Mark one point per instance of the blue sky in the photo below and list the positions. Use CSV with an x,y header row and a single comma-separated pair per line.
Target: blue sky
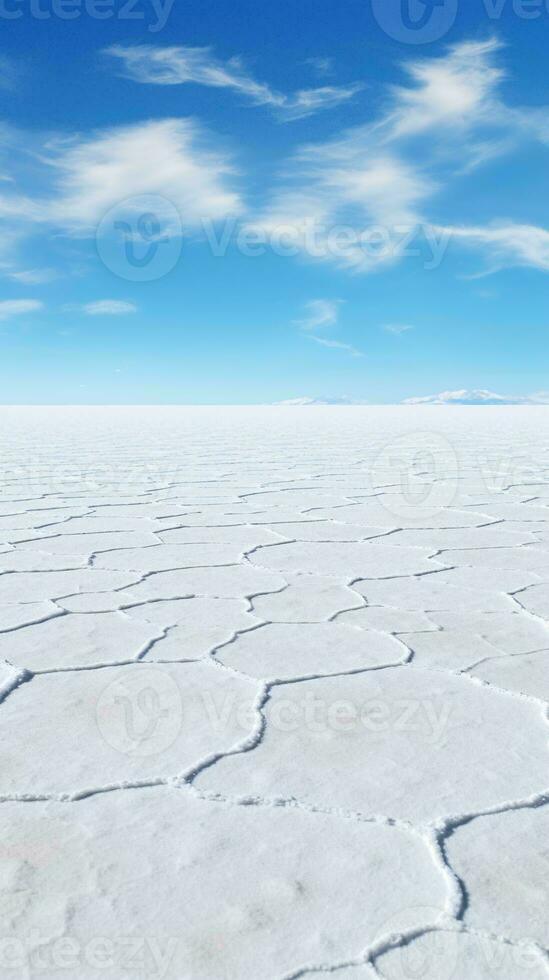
x,y
228,201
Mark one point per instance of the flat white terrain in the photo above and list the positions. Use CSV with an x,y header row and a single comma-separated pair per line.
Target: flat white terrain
x,y
274,689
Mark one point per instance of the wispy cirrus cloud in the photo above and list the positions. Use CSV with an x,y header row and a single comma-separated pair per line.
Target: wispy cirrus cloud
x,y
19,307
397,328
322,66
182,65
505,245
33,277
318,315
171,159
447,119
109,307
457,96
337,345
455,91
357,201
339,206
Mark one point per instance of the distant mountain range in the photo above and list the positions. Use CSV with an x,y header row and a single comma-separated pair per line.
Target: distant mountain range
x,y
479,396
319,401
463,396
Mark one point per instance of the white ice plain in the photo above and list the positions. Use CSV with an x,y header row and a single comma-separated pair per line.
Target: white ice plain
x,y
274,689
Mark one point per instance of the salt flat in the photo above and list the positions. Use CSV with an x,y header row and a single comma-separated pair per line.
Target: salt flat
x,y
274,689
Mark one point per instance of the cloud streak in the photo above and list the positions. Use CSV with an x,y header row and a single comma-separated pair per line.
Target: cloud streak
x,y
357,201
397,328
109,307
319,314
384,176
170,161
452,93
19,307
167,158
33,277
336,345
151,65
505,245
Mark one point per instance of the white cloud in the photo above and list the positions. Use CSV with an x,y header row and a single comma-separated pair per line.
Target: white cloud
x,y
180,65
19,307
334,198
322,66
456,97
319,313
33,277
397,328
171,162
307,101
339,202
505,245
109,307
379,178
337,345
335,192
170,168
22,208
456,90
166,158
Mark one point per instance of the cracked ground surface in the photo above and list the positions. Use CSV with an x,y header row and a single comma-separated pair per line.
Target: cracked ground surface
x,y
274,689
